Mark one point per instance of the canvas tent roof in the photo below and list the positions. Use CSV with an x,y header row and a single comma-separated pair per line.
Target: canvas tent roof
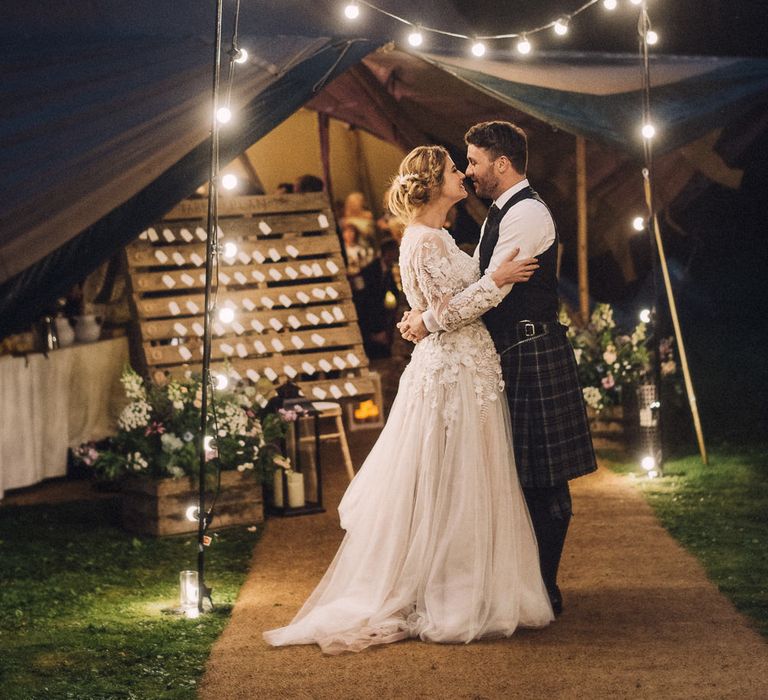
x,y
105,129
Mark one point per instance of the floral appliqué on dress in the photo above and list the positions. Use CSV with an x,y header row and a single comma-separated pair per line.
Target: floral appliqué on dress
x,y
437,275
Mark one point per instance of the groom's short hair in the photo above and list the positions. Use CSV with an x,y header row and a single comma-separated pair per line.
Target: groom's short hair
x,y
501,139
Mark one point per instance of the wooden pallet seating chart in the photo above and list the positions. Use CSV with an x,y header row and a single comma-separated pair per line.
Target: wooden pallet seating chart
x,y
294,316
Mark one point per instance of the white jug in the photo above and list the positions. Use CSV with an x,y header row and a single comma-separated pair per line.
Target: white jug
x,y
88,328
64,331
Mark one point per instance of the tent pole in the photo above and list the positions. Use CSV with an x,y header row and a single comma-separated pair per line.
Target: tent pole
x,y
581,206
676,324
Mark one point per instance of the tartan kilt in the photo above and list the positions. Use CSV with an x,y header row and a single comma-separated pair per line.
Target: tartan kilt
x,y
552,442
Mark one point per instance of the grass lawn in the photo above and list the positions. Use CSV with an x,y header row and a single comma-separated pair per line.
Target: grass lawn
x,y
720,514
81,605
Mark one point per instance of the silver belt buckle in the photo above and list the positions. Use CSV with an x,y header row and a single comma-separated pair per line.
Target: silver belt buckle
x,y
529,329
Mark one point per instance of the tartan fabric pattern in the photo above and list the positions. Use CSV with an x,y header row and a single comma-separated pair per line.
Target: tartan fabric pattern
x,y
552,441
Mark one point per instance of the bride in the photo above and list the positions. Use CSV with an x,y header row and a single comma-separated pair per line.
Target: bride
x,y
438,543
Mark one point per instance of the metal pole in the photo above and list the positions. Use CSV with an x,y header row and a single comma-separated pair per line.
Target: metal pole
x,y
581,206
210,252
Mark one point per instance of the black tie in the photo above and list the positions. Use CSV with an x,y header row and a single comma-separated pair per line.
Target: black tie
x,y
490,237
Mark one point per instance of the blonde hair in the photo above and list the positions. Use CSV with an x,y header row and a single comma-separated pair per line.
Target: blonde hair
x,y
419,179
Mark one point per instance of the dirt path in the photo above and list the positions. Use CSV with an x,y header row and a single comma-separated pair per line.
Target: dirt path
x,y
641,621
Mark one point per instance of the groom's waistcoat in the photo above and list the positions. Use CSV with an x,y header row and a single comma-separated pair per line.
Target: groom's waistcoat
x,y
534,300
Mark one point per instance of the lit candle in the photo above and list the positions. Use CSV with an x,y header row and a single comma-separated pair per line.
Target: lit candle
x,y
295,490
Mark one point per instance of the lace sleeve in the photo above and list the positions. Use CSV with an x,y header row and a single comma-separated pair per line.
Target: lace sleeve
x,y
436,283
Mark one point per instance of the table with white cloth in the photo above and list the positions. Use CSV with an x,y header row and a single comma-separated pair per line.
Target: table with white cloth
x,y
51,403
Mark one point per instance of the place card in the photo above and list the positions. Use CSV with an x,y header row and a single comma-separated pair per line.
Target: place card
x,y
308,368
327,316
275,323
353,360
193,308
224,277
242,351
198,328
333,268
248,304
325,365
303,297
186,235
322,219
297,342
277,345
275,274
351,388
294,322
331,292
291,272
201,233
318,293
226,348
265,228
187,279
339,362
319,393
338,313
161,256
184,352
168,235
152,235
292,250
241,278
257,325
289,371
285,300
270,374
253,375
168,281
197,261
180,328
260,347
335,391
267,302
313,319
243,257
317,339
258,256
173,307
258,275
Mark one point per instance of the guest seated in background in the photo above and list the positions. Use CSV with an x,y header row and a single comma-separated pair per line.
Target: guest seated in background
x,y
308,183
356,213
358,255
376,301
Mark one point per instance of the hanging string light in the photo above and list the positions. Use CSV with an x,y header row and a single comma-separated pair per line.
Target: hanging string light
x,y
352,10
416,37
561,26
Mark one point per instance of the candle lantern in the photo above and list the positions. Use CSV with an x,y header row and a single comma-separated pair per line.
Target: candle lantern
x,y
650,433
188,593
299,490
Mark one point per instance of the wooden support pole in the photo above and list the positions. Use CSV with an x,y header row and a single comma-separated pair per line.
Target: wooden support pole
x,y
676,322
581,206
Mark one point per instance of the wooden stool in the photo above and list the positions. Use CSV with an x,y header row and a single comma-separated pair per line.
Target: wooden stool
x,y
330,409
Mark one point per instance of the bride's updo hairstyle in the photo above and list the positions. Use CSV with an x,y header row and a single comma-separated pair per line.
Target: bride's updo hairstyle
x,y
418,181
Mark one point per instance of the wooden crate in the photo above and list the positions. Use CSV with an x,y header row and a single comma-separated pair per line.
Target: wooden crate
x,y
158,507
287,285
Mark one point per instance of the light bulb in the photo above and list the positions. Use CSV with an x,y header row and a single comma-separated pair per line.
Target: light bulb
x,y
415,38
651,37
222,382
609,4
193,513
645,315
226,314
352,11
638,223
478,48
648,463
648,131
224,115
229,181
561,27
241,56
524,46
230,249
207,440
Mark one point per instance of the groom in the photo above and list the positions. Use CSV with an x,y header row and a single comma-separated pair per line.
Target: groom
x,y
551,436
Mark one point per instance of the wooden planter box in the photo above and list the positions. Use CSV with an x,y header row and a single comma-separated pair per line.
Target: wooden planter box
x,y
159,507
615,427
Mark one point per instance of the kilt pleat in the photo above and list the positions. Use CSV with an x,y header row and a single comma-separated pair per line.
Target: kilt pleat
x,y
552,441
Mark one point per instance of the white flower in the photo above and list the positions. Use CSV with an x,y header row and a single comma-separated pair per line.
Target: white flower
x,y
282,462
403,179
136,462
578,353
133,385
245,466
135,415
176,471
170,443
593,397
610,355
232,419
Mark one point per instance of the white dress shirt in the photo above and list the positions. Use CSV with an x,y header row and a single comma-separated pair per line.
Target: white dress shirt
x,y
528,225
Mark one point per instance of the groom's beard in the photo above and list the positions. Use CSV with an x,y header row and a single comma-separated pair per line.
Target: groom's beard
x,y
484,188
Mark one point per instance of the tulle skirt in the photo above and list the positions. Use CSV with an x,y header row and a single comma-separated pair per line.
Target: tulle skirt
x,y
438,543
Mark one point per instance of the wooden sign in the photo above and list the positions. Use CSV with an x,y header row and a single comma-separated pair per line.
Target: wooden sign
x,y
284,281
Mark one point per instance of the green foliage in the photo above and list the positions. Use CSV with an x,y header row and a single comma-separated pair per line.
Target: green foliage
x,y
158,432
83,613
718,512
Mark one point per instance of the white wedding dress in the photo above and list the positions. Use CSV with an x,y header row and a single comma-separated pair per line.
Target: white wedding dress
x,y
438,544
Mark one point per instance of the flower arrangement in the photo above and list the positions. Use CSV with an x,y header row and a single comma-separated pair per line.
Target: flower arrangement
x,y
157,431
609,361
